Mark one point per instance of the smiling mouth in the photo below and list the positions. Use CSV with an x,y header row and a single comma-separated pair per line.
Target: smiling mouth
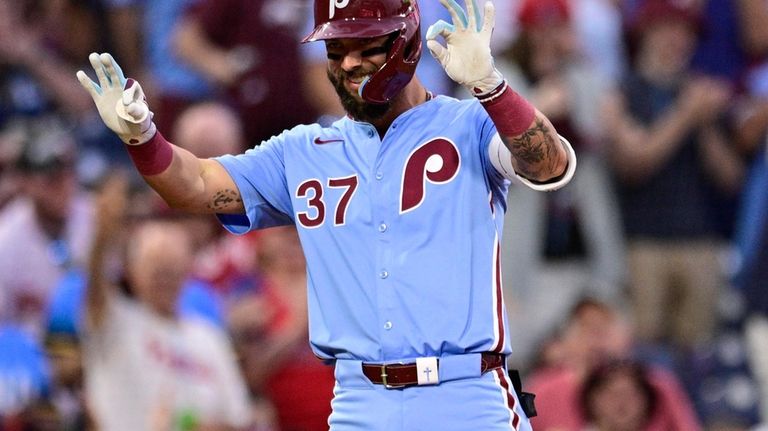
x,y
355,82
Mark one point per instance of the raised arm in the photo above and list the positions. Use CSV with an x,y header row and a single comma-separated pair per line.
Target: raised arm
x,y
537,153
22,46
110,213
182,179
194,46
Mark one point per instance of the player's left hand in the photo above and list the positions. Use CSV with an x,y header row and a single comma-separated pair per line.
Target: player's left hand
x,y
466,57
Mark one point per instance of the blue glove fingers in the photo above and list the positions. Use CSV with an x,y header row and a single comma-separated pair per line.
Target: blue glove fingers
x,y
114,73
457,13
101,74
474,14
439,28
90,86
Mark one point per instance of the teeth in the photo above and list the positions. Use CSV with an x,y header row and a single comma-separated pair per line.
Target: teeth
x,y
359,79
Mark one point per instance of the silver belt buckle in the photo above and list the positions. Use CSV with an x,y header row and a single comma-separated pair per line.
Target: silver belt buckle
x,y
384,379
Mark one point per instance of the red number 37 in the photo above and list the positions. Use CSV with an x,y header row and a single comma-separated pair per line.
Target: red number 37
x,y
436,161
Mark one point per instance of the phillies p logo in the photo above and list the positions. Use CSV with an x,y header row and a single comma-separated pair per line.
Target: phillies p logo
x,y
336,4
436,161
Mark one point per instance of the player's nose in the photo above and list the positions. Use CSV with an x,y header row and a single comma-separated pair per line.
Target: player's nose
x,y
351,60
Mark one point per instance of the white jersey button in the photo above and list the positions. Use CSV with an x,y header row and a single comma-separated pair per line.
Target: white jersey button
x,y
387,325
383,227
383,274
379,175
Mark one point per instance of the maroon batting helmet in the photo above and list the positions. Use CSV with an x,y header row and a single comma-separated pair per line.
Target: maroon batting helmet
x,y
374,18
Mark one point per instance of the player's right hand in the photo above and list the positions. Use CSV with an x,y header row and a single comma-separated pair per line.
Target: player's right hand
x,y
121,102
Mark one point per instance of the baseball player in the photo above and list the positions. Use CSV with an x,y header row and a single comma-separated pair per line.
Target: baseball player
x,y
399,207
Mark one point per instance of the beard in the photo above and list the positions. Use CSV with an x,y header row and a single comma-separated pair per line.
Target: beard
x,y
358,109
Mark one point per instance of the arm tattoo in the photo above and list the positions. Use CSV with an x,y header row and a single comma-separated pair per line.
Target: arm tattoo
x,y
535,151
223,199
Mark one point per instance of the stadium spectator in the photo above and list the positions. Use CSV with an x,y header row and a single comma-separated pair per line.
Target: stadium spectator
x,y
594,334
270,324
249,49
39,40
31,58
146,29
146,366
44,231
618,396
674,163
212,129
209,129
63,344
558,244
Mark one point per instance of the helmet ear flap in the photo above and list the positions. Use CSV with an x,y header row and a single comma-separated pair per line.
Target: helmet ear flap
x,y
377,88
395,74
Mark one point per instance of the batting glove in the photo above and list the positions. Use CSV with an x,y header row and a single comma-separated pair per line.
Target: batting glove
x,y
121,102
466,57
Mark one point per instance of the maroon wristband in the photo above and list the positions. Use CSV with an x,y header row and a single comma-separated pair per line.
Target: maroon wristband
x,y
153,156
510,112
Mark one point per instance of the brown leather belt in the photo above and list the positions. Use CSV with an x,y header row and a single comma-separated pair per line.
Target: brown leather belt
x,y
402,375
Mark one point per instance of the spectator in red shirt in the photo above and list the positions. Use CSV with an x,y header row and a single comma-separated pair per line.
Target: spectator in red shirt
x,y
594,334
270,327
619,396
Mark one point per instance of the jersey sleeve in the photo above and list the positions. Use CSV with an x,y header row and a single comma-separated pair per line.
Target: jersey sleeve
x,y
259,174
487,134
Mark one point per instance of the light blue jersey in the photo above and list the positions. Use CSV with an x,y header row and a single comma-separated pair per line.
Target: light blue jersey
x,y
401,235
401,238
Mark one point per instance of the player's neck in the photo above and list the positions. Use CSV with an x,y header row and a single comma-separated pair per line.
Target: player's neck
x,y
412,95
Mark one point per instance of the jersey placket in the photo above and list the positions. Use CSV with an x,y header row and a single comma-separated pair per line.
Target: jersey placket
x,y
385,191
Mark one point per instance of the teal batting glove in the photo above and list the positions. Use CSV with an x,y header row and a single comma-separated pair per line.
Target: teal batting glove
x,y
121,102
466,56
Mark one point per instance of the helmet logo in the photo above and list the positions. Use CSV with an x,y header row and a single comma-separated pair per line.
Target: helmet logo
x,y
333,4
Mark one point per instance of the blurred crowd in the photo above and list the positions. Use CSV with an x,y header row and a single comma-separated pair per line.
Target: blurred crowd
x,y
636,295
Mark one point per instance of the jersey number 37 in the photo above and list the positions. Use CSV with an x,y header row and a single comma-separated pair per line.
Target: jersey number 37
x,y
436,161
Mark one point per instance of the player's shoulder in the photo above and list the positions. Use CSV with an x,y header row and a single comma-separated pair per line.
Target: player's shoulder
x,y
457,107
467,113
296,133
304,134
